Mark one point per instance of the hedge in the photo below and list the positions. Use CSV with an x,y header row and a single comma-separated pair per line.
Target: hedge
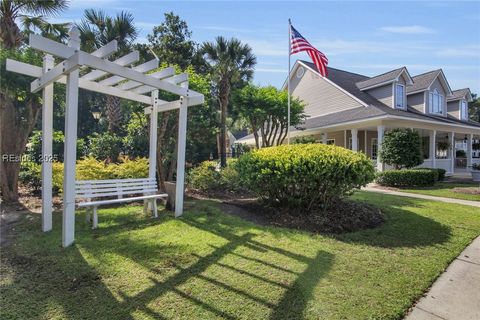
x,y
408,178
86,169
440,172
304,176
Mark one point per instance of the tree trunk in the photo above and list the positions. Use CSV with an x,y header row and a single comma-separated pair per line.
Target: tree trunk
x,y
223,99
114,113
14,136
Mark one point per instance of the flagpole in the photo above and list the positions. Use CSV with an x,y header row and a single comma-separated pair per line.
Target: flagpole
x,y
288,80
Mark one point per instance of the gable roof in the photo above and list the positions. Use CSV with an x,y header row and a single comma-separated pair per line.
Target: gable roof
x,y
423,81
383,78
460,94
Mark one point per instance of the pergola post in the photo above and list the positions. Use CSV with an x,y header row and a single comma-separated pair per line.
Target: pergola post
x,y
70,149
182,144
47,152
152,156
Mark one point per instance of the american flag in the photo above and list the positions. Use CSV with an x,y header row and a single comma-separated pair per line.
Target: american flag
x,y
298,44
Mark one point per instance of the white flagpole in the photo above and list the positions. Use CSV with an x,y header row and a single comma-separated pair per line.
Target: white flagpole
x,y
288,80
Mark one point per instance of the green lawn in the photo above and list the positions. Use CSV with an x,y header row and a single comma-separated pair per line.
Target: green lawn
x,y
445,189
209,265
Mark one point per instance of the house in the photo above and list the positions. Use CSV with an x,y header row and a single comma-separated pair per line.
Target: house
x,y
354,111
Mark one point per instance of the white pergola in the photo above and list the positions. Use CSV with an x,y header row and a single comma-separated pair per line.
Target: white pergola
x,y
114,78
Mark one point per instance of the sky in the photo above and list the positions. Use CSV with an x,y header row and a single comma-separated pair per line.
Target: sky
x,y
369,38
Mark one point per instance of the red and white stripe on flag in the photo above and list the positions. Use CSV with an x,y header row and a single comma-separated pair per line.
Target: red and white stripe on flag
x,y
298,44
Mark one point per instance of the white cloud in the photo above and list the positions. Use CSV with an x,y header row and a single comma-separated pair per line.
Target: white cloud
x,y
460,51
271,70
408,29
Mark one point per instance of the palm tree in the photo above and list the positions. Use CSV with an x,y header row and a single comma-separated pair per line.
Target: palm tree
x,y
232,64
96,30
31,14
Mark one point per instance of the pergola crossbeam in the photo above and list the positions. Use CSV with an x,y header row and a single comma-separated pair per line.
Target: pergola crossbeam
x,y
164,73
144,67
179,78
58,71
106,50
113,68
127,59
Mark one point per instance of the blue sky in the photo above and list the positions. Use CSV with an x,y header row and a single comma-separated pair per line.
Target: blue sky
x,y
363,37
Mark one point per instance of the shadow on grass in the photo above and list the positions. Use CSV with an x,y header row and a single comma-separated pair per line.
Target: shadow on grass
x,y
47,280
403,227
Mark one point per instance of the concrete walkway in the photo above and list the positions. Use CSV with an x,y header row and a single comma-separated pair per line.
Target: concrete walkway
x,y
423,196
456,293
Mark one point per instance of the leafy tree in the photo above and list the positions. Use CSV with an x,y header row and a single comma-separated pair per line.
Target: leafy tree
x,y
34,149
96,30
401,148
474,108
266,111
105,146
171,41
231,63
31,14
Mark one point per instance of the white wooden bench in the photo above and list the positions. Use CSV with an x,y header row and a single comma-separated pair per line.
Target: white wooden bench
x,y
94,193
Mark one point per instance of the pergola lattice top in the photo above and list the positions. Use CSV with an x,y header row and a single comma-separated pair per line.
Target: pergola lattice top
x,y
114,78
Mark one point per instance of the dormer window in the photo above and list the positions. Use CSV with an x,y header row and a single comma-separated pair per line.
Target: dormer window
x,y
463,110
400,96
436,102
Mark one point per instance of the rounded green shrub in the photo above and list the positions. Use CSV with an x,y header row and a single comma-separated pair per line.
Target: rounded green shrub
x,y
408,178
401,148
304,176
209,176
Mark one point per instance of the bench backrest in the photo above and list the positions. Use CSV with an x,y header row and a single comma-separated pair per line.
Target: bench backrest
x,y
90,189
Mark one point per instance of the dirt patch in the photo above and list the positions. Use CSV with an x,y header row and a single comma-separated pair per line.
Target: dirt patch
x,y
220,194
474,191
345,216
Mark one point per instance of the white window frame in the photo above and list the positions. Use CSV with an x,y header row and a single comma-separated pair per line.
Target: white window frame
x,y
374,147
463,109
435,96
403,105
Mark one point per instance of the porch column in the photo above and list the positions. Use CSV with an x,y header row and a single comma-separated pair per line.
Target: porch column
x,y
324,137
354,139
345,139
452,152
47,152
70,147
433,147
469,151
380,133
365,140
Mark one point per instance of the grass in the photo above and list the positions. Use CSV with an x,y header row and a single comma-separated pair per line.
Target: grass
x,y
445,189
208,265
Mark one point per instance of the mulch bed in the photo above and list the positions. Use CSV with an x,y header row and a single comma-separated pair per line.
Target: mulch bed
x,y
471,190
344,216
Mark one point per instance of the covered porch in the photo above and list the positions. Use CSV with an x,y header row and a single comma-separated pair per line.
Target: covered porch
x,y
450,147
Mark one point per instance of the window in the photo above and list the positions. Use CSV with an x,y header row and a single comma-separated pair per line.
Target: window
x,y
331,141
463,110
436,102
374,150
400,96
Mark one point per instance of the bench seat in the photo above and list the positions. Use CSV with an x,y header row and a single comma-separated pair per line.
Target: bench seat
x,y
95,193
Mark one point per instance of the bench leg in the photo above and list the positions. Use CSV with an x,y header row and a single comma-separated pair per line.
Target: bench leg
x,y
154,208
95,218
145,207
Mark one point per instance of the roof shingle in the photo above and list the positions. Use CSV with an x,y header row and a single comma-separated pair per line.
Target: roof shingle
x,y
381,78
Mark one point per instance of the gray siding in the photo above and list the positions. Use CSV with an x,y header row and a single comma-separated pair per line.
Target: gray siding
x,y
453,108
320,96
383,94
416,101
